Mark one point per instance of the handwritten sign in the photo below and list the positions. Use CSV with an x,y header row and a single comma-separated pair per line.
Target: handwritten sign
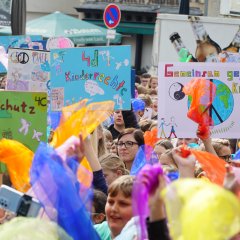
x,y
96,73
23,117
28,70
15,42
173,103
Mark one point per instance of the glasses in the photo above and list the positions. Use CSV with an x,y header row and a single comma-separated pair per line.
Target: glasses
x,y
226,158
127,144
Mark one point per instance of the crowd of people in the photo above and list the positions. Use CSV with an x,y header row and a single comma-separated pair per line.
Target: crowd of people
x,y
178,189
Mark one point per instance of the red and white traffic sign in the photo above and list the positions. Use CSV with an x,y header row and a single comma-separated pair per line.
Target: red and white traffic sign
x,y
112,16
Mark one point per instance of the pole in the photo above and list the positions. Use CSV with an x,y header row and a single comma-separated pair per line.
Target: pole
x,y
184,7
206,8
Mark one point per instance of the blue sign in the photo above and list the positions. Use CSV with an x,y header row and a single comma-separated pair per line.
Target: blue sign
x,y
112,16
96,73
15,42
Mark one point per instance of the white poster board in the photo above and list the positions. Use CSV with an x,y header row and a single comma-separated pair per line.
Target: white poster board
x,y
173,103
28,70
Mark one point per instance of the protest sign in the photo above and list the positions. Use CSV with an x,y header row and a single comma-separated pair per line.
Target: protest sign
x,y
173,104
96,73
23,117
28,70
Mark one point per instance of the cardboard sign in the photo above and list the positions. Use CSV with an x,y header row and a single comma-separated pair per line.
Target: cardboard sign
x,y
96,73
23,117
173,104
28,70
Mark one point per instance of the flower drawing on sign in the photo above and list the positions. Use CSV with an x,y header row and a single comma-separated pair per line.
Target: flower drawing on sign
x,y
92,88
25,126
37,135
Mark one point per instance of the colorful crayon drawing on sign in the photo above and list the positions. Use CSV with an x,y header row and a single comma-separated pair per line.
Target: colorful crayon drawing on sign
x,y
15,42
23,117
96,73
28,70
174,104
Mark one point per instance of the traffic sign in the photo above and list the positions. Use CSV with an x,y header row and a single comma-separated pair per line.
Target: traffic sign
x,y
112,16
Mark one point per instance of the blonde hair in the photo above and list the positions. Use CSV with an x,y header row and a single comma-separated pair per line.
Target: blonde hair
x,y
145,124
166,144
123,184
150,81
153,125
141,89
146,98
113,163
101,146
107,135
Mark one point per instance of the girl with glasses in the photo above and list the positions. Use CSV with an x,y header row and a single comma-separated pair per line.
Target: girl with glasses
x,y
128,143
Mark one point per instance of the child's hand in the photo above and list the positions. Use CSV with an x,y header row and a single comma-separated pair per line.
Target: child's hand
x,y
74,146
186,165
203,132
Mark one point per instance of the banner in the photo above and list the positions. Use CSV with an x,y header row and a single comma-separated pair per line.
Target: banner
x,y
96,73
23,117
173,104
15,42
28,70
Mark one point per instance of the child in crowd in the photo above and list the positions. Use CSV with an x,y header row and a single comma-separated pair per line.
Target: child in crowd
x,y
120,223
101,141
113,167
114,146
162,146
153,82
108,139
98,206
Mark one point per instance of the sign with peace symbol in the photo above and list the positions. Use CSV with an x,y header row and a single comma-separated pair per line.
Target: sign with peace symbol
x,y
23,57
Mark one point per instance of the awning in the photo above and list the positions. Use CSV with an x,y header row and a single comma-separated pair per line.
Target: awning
x,y
61,25
130,28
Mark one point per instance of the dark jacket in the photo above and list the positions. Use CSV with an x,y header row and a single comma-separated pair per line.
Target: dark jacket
x,y
130,121
158,230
